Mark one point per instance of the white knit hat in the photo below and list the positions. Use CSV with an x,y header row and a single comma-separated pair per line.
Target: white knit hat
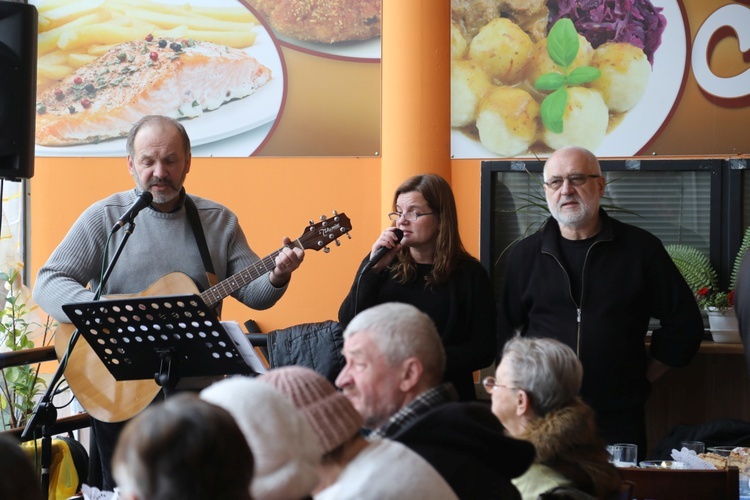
x,y
285,448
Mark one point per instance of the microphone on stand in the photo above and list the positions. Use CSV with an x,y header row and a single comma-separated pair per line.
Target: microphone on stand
x,y
380,252
144,199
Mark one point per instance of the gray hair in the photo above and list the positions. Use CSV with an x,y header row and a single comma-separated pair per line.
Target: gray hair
x,y
163,121
402,331
546,369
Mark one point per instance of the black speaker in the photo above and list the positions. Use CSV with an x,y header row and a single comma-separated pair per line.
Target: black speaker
x,y
18,51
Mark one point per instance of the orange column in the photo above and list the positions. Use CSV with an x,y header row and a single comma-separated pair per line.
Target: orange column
x,y
416,92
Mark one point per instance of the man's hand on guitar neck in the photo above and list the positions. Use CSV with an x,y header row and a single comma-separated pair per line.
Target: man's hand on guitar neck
x,y
286,262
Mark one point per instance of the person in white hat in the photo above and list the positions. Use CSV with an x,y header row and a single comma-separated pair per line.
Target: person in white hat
x,y
286,449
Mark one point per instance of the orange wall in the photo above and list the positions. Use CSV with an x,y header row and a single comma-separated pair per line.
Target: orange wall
x,y
274,197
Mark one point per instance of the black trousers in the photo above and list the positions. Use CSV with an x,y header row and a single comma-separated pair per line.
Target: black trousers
x,y
624,426
104,437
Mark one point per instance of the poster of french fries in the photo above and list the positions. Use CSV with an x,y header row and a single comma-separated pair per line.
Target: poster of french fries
x,y
619,77
102,64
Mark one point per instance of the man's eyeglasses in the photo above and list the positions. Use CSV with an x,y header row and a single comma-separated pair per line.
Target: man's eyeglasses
x,y
556,183
490,383
410,216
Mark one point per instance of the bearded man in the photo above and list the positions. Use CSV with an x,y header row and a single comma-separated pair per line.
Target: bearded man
x,y
594,283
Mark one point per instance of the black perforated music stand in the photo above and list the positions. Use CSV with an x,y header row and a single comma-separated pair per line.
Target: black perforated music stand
x,y
165,338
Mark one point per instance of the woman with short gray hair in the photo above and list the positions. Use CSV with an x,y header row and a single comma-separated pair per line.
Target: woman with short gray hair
x,y
535,396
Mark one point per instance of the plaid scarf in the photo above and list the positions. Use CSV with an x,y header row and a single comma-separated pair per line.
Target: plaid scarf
x,y
428,400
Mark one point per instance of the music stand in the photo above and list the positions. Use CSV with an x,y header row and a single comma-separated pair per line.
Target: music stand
x,y
164,338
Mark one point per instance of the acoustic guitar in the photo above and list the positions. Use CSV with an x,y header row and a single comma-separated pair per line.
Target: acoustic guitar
x,y
110,400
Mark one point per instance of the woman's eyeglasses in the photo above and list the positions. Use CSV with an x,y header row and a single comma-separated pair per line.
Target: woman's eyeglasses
x,y
490,383
410,216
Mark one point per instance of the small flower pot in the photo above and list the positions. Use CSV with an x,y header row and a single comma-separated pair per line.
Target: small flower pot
x,y
723,325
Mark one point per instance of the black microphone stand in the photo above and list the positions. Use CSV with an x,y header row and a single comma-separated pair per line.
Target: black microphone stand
x,y
45,413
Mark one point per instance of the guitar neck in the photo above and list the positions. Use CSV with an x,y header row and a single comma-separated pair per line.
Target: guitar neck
x,y
216,293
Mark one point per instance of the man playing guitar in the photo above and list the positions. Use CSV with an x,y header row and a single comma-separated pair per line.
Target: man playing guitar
x,y
159,160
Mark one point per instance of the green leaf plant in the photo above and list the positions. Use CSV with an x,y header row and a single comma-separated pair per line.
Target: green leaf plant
x,y
562,47
19,385
702,278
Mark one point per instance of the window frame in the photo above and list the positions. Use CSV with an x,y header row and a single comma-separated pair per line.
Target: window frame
x,y
726,195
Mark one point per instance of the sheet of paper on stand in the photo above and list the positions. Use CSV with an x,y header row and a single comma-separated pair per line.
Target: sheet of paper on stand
x,y
244,346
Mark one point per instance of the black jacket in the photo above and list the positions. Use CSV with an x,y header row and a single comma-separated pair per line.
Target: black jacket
x,y
742,305
314,345
628,277
467,445
466,323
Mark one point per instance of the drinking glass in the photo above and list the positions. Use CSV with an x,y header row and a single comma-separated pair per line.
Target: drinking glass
x,y
625,455
696,446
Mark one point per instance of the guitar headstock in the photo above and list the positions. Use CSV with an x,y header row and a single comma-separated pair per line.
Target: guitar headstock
x,y
319,235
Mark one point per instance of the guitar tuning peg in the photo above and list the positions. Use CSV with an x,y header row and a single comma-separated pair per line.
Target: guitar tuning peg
x,y
311,222
335,213
326,249
348,235
323,217
338,243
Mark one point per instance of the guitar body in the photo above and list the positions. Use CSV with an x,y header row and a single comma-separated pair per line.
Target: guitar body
x,y
110,400
100,394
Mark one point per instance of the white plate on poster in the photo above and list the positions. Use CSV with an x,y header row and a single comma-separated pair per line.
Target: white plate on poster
x,y
231,119
641,124
363,50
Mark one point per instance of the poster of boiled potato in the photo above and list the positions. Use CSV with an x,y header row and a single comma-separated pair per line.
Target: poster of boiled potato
x,y
231,71
619,77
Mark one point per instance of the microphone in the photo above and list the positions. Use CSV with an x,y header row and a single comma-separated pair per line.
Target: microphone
x,y
380,252
144,199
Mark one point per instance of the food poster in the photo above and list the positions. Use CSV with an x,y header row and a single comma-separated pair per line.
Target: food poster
x,y
256,77
619,77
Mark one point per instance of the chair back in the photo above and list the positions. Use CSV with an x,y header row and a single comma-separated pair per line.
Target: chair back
x,y
667,484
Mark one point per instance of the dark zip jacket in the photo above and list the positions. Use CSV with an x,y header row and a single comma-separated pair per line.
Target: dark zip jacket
x,y
628,277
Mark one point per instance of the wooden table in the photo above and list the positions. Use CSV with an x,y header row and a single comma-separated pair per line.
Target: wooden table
x,y
715,385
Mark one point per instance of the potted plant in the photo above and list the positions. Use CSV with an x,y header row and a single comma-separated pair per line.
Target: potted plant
x,y
702,279
19,385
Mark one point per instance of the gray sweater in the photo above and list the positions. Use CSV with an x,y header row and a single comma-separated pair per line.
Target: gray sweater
x,y
161,243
